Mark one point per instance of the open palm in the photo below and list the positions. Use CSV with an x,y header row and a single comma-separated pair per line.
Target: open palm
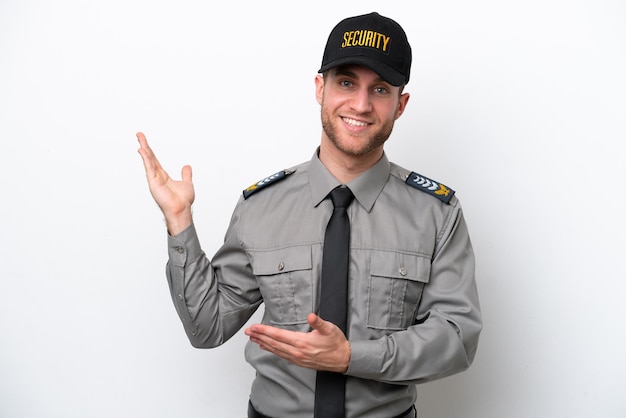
x,y
173,197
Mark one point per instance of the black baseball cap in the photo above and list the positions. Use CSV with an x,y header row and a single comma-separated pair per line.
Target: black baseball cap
x,y
371,40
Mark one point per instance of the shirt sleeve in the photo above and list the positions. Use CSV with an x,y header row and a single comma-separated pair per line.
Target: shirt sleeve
x,y
444,337
211,310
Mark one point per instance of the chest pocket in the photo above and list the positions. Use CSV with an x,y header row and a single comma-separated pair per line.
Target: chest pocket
x,y
395,289
286,283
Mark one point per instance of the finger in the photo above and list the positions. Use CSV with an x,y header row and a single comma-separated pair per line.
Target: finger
x,y
186,174
141,137
273,345
273,336
266,332
316,322
276,347
143,144
150,162
320,325
144,148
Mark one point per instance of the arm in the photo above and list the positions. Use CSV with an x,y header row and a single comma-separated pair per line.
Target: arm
x,y
210,310
444,338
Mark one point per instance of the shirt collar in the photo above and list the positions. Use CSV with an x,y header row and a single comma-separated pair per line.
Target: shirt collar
x,y
365,187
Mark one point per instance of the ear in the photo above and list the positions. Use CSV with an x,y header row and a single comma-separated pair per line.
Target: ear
x,y
319,88
402,101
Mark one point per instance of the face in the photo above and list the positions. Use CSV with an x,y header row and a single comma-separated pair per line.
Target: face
x,y
358,110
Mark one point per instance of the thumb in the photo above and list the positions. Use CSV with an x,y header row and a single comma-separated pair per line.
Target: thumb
x,y
318,324
186,174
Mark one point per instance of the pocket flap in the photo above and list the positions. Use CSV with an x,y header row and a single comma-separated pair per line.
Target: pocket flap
x,y
400,266
280,261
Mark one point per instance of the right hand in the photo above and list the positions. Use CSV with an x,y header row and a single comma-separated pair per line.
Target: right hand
x,y
173,197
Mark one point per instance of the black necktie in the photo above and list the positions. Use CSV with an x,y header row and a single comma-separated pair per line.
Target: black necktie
x,y
330,386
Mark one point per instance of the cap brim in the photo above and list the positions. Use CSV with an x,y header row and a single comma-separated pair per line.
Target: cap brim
x,y
387,73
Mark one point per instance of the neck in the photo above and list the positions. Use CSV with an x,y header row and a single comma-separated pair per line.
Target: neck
x,y
346,167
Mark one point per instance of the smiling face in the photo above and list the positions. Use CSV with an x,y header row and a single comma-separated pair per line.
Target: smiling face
x,y
358,111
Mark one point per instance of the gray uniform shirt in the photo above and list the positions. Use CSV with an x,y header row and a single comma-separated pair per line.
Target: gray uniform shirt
x,y
413,313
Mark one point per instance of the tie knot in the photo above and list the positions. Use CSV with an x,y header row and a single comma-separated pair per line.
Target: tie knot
x,y
341,197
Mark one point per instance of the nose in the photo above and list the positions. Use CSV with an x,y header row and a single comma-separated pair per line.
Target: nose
x,y
361,101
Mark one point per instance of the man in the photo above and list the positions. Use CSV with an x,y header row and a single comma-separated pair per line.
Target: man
x,y
412,307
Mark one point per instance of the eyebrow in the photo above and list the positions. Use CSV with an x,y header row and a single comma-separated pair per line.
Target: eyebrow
x,y
344,71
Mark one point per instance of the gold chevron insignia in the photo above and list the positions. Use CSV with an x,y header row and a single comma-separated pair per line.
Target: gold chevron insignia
x,y
443,190
254,186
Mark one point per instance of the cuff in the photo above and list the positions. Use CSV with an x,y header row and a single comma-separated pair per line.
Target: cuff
x,y
366,357
184,248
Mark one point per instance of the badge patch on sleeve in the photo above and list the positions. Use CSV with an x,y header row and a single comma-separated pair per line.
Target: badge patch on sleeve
x,y
429,186
266,182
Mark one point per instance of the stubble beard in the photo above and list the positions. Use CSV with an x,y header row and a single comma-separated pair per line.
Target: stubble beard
x,y
368,144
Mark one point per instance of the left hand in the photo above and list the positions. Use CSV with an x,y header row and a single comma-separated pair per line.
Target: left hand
x,y
324,348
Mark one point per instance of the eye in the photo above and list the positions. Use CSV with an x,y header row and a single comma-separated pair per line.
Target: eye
x,y
381,90
345,83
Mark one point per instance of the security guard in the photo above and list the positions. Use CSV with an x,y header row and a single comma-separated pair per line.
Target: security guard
x,y
412,307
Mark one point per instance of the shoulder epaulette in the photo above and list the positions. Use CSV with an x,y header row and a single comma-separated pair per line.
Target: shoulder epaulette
x,y
429,186
274,178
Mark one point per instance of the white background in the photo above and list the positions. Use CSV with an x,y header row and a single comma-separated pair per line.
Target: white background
x,y
519,106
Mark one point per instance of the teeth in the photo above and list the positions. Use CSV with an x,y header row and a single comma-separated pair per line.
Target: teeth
x,y
353,122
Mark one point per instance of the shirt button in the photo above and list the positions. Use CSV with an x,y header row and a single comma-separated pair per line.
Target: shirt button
x,y
180,297
281,266
402,271
179,250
